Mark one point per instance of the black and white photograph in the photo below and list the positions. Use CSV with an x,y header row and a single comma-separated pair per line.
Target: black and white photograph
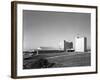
x,y
56,39
53,39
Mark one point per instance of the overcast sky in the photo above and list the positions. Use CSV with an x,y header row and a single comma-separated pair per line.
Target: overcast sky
x,y
43,28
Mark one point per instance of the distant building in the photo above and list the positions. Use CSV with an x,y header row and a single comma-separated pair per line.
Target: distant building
x,y
80,44
61,45
48,48
65,45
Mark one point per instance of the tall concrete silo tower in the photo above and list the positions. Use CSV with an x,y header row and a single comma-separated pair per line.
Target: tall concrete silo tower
x,y
80,44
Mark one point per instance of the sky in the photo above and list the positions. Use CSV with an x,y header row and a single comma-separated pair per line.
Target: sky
x,y
48,28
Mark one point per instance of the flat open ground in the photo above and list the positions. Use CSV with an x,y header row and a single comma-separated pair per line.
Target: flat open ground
x,y
62,59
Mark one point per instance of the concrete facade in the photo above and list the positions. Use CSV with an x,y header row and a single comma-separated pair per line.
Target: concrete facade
x,y
67,45
64,45
80,44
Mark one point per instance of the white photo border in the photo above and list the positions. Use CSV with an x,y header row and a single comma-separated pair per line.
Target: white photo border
x,y
53,71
